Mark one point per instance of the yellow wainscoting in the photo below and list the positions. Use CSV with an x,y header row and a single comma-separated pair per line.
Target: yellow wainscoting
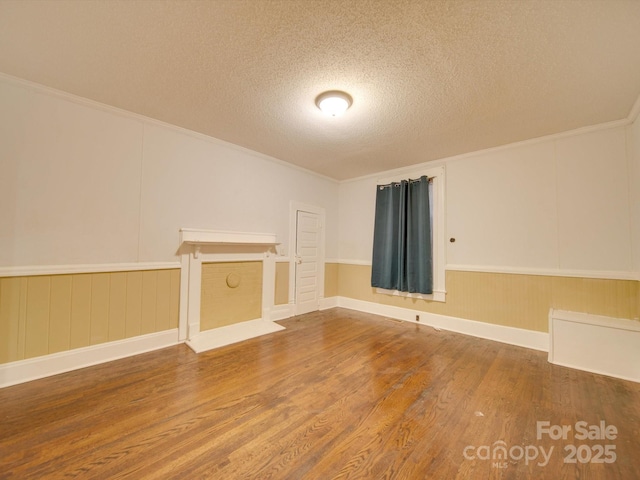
x,y
330,280
521,301
282,283
47,314
637,315
222,305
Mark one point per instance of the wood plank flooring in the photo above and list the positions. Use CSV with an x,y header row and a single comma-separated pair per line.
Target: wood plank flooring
x,y
338,395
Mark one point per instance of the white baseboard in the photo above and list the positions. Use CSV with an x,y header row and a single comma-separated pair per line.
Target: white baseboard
x,y
222,336
39,367
499,333
327,303
280,312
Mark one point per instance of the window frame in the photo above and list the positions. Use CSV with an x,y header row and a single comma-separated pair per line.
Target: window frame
x,y
438,231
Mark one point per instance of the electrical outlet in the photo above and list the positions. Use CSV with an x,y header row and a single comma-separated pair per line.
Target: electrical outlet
x,y
417,318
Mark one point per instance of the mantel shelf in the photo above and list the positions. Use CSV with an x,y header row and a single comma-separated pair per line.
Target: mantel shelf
x,y
194,236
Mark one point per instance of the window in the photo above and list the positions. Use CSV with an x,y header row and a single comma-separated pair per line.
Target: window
x,y
405,261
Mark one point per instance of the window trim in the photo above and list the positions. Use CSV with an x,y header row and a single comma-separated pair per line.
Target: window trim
x,y
438,231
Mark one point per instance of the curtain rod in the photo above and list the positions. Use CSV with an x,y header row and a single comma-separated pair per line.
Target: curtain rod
x,y
429,179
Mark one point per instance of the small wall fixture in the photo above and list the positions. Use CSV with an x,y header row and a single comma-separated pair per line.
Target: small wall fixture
x,y
334,102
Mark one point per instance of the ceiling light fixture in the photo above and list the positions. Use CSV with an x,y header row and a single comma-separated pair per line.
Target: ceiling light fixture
x,y
334,102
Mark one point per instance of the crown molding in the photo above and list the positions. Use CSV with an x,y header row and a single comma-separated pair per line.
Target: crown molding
x,y
533,141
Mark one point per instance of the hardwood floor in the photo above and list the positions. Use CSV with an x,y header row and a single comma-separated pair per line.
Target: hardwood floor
x,y
339,394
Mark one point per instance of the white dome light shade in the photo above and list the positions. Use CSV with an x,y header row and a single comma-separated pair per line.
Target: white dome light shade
x,y
334,103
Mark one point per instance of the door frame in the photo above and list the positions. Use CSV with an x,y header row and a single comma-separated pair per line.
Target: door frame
x,y
294,208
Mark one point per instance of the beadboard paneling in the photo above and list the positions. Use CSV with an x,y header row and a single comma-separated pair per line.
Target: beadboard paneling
x,y
221,305
117,307
80,311
60,313
330,280
521,301
37,320
149,299
100,291
133,314
11,320
47,314
282,283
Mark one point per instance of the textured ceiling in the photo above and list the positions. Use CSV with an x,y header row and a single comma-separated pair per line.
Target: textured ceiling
x,y
429,79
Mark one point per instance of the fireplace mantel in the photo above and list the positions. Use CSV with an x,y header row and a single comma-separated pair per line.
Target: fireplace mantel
x,y
198,246
192,236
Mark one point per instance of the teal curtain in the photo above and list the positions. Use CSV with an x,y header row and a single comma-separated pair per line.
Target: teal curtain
x,y
402,254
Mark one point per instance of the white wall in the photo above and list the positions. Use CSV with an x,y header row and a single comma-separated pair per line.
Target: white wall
x,y
70,181
86,184
190,182
81,184
357,215
501,208
557,205
593,202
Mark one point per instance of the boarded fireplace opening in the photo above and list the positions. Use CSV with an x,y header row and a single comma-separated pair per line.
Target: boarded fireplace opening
x,y
231,293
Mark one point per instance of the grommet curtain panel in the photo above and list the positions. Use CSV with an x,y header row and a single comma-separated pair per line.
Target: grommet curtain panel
x,y
402,251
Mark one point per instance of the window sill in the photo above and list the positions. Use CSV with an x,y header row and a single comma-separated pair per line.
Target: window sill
x,y
436,296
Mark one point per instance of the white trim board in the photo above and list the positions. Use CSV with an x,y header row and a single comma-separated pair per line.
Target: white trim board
x,y
350,261
436,296
280,312
294,208
532,141
594,343
222,336
208,246
22,371
547,272
499,333
197,236
329,302
33,270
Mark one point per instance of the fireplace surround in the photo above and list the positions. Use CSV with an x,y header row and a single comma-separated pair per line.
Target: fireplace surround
x,y
209,246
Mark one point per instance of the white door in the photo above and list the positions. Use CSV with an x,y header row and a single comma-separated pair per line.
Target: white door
x,y
308,262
